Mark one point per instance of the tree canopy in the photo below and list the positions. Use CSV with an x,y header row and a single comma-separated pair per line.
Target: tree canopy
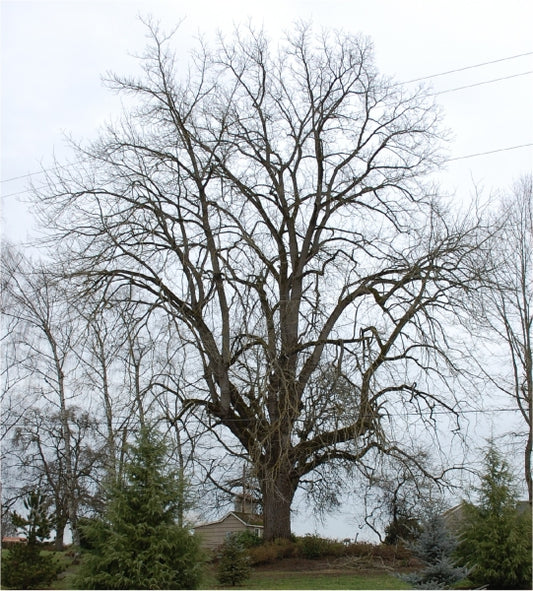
x,y
271,200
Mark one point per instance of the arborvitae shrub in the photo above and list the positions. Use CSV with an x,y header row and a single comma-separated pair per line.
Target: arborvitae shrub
x,y
401,530
495,538
248,539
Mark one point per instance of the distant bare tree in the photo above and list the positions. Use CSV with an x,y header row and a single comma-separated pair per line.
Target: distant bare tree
x,y
38,447
103,341
117,369
400,495
271,203
44,336
132,366
504,309
13,372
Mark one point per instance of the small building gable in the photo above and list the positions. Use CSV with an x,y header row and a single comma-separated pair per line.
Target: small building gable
x,y
9,541
454,517
213,534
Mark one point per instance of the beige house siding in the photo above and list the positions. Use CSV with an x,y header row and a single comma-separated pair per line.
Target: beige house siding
x,y
213,535
454,517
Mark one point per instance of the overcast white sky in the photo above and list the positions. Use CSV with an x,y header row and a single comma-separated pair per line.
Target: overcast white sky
x,y
53,55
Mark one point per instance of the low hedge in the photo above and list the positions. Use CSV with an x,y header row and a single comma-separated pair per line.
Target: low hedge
x,y
313,547
269,552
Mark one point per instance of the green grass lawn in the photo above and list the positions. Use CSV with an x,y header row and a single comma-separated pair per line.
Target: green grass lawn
x,y
270,579
284,580
327,578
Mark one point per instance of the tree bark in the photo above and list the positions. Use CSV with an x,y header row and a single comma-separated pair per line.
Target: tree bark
x,y
527,466
278,490
60,535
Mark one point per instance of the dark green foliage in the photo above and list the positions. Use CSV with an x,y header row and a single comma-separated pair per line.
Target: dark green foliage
x,y
402,529
495,537
233,562
136,544
84,525
248,539
24,566
435,547
39,522
314,547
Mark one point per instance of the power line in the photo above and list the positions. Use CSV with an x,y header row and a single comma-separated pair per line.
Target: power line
x,y
43,171
482,83
465,157
23,192
503,59
30,174
490,152
24,176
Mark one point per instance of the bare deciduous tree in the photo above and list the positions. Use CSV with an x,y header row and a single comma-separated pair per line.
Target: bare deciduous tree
x,y
116,367
44,337
103,339
38,447
504,312
399,495
271,203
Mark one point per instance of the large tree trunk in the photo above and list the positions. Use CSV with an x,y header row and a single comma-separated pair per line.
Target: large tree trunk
x,y
59,544
527,466
278,490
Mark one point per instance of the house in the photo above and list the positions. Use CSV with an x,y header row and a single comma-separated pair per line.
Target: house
x,y
213,534
243,518
454,516
8,541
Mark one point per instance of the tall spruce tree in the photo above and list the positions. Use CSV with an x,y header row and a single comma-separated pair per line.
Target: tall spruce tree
x,y
137,543
495,536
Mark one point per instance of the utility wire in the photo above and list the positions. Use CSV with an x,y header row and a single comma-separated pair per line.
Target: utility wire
x,y
44,170
465,157
503,59
490,152
25,176
482,83
24,191
425,413
30,174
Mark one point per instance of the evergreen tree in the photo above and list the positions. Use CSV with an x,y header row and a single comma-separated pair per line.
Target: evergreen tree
x,y
137,543
495,537
435,547
234,562
24,566
401,529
